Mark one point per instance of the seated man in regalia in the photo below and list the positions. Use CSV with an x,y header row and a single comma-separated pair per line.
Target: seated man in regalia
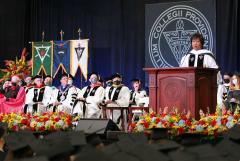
x,y
64,98
38,97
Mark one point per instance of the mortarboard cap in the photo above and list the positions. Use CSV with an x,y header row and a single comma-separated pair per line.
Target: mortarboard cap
x,y
70,76
77,138
37,76
108,79
35,158
94,73
228,149
94,139
51,148
145,152
182,155
91,154
124,156
234,132
159,133
3,128
203,151
18,145
14,142
55,136
111,149
139,137
2,131
165,145
116,75
114,135
189,139
135,80
62,75
48,76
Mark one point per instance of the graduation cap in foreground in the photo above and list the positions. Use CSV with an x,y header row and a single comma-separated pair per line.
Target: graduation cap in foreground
x,y
76,138
35,158
111,149
159,133
18,145
3,129
228,149
146,152
189,139
120,156
52,149
182,156
92,154
165,145
94,140
234,133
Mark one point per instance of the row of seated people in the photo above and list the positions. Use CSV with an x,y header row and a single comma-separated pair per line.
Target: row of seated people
x,y
38,95
228,96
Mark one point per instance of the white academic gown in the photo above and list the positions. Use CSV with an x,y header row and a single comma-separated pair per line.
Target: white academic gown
x,y
53,94
222,89
138,97
92,102
121,101
45,101
66,97
209,61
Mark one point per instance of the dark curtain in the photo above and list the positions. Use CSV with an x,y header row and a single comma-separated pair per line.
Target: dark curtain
x,y
115,29
227,35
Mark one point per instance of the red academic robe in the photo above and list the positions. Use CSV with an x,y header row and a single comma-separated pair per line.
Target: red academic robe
x,y
13,104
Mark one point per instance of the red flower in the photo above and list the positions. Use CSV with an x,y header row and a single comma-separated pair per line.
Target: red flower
x,y
184,117
57,119
45,119
132,126
42,128
202,122
180,130
152,115
165,124
224,121
213,123
51,128
15,128
25,122
188,123
215,133
145,124
157,120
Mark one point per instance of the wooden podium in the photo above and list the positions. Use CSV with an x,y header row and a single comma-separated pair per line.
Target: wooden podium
x,y
185,88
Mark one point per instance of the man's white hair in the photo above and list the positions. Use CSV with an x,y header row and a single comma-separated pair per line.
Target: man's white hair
x,y
15,79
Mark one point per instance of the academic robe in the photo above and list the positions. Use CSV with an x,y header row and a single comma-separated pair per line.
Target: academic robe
x,y
66,96
94,95
13,100
199,58
27,88
38,95
222,94
120,96
137,97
